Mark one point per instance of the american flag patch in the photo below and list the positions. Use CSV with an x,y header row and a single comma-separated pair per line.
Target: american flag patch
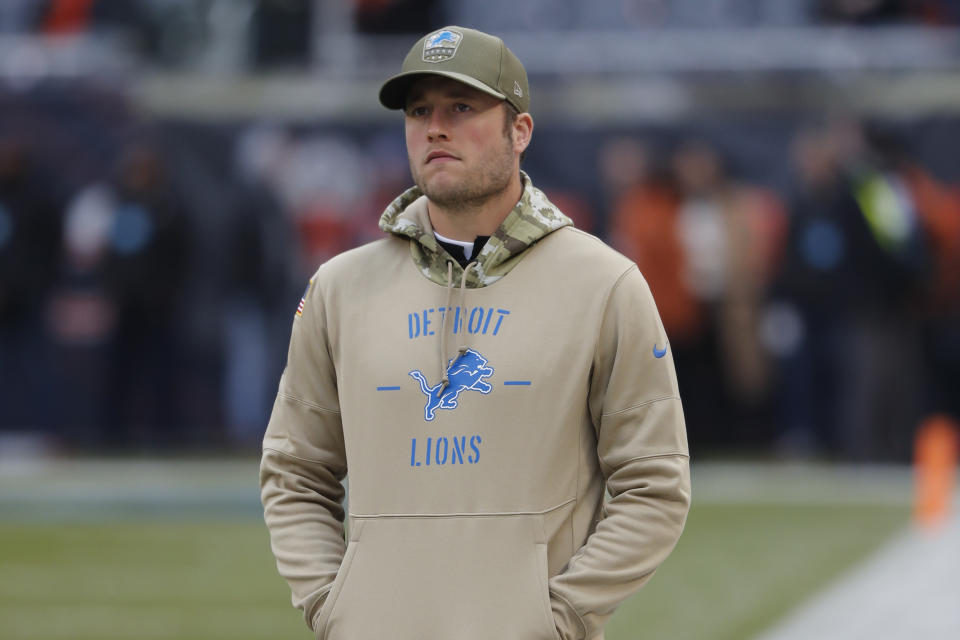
x,y
303,300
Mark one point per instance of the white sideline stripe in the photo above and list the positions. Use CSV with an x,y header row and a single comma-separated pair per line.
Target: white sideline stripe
x,y
907,590
70,490
191,481
801,483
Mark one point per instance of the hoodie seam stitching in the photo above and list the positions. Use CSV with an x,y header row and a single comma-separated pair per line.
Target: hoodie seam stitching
x,y
307,403
603,318
606,306
641,404
576,497
491,514
290,455
653,456
589,235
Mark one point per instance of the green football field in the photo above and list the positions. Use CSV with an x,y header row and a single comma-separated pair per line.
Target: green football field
x,y
182,554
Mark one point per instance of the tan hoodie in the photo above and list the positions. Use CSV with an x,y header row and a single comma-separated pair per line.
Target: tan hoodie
x,y
477,505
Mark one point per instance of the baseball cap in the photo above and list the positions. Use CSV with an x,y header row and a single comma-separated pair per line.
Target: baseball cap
x,y
472,57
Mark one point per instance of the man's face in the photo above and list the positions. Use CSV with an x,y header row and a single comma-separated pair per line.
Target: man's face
x,y
460,152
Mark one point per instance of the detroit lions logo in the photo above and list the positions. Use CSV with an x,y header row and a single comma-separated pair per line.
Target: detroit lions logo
x,y
465,372
441,45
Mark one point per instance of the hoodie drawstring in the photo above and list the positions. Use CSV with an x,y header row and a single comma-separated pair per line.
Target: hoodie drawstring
x,y
444,380
443,327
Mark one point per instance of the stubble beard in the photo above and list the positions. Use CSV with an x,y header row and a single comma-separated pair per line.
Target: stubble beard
x,y
489,179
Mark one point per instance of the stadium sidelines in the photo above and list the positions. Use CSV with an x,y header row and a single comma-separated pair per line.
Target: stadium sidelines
x,y
199,491
909,589
93,489
83,490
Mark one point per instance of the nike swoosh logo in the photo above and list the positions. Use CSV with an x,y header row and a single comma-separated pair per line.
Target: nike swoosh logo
x,y
659,353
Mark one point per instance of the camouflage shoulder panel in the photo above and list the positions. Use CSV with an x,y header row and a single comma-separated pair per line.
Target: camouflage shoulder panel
x,y
533,218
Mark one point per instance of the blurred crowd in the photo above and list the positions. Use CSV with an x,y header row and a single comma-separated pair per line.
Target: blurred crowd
x,y
821,319
149,269
146,302
258,34
148,274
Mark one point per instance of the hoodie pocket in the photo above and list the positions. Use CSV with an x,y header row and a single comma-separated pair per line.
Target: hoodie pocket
x,y
323,615
456,578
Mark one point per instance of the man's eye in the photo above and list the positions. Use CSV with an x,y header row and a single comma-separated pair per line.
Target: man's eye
x,y
417,111
460,107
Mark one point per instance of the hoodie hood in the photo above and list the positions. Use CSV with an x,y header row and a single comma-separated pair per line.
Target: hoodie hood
x,y
533,218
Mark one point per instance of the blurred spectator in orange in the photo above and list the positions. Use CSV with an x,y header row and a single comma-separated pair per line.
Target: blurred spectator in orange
x,y
643,226
938,208
29,249
707,246
730,234
65,17
130,19
756,230
390,172
574,205
322,182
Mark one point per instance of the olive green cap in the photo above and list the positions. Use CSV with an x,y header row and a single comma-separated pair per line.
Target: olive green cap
x,y
469,56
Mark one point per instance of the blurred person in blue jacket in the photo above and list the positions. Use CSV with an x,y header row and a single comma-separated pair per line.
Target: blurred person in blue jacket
x,y
129,247
146,268
853,265
259,277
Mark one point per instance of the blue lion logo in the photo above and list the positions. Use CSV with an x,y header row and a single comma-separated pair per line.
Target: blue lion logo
x,y
465,372
443,37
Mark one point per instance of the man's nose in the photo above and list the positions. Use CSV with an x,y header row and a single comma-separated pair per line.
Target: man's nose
x,y
437,127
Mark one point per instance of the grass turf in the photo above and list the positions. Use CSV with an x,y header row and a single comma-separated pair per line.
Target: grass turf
x,y
737,569
182,580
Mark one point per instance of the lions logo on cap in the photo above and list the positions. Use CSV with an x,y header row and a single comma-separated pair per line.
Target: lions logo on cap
x,y
441,45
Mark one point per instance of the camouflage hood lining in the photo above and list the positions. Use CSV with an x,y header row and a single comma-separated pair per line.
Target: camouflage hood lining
x,y
533,218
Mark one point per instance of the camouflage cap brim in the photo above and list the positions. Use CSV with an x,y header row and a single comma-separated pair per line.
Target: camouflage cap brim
x,y
393,94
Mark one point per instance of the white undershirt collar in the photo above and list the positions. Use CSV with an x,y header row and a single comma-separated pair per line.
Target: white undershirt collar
x,y
467,246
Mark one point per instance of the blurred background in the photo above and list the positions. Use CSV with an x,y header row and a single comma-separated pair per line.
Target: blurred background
x,y
172,171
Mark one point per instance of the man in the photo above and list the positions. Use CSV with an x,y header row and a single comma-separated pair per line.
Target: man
x,y
481,426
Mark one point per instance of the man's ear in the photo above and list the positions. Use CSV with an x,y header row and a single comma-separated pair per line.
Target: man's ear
x,y
522,132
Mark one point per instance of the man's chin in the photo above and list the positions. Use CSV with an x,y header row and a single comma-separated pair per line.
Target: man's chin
x,y
440,187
